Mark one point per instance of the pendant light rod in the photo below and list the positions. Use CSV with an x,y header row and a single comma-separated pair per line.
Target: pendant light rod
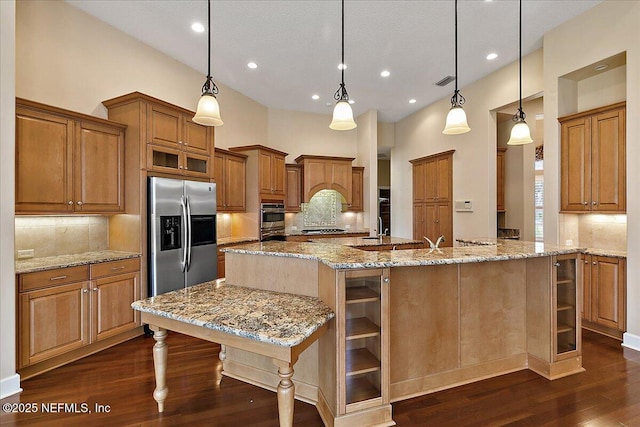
x,y
520,49
456,43
342,60
209,86
341,94
342,112
520,132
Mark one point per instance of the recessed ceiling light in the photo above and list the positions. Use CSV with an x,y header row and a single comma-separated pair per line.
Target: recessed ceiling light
x,y
342,66
492,56
601,67
252,65
412,101
315,97
385,73
197,27
351,101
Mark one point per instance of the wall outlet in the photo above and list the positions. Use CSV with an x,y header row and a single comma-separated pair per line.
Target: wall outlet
x,y
25,253
347,226
568,242
294,227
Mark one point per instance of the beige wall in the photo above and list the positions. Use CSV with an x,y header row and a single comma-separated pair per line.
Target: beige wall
x,y
9,380
474,162
69,59
573,46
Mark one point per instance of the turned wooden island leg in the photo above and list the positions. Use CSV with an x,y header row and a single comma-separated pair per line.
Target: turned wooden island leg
x,y
286,393
160,351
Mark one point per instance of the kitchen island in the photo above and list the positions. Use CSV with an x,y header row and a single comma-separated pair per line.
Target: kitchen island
x,y
410,322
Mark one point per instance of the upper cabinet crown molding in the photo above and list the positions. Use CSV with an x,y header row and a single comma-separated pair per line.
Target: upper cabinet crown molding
x,y
593,160
67,162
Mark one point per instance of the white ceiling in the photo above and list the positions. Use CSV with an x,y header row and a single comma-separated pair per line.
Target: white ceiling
x,y
296,44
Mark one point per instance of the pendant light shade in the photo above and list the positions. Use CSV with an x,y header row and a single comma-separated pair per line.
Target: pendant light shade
x,y
208,111
520,133
342,113
456,119
342,117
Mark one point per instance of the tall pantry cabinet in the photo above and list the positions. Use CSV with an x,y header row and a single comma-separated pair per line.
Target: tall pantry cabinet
x,y
433,197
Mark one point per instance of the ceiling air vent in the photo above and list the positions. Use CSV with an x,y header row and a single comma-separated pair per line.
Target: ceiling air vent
x,y
445,81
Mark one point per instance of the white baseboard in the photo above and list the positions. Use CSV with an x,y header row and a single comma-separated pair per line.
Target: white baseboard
x,y
631,341
10,386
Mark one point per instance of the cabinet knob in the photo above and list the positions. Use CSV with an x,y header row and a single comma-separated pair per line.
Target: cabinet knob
x,y
385,280
586,262
84,291
557,264
95,289
585,203
179,167
594,203
70,202
595,263
179,142
79,202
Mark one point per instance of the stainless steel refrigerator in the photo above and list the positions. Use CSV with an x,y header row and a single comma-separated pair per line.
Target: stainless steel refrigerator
x,y
182,234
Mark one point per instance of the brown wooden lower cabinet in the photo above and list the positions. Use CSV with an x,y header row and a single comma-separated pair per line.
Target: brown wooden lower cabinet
x,y
604,295
67,313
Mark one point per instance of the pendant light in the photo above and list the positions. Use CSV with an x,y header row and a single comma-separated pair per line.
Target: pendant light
x,y
208,111
342,113
456,119
520,133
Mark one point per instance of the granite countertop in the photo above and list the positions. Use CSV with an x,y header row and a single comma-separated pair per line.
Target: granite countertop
x,y
344,257
589,251
362,241
606,252
60,261
226,241
266,316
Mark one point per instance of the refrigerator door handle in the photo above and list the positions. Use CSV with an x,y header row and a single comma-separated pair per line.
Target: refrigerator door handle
x,y
188,234
185,222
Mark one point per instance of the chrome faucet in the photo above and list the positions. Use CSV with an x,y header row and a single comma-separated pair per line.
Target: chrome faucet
x,y
381,233
435,245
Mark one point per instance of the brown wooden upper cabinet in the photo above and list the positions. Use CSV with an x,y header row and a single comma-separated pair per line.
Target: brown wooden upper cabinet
x,y
593,154
357,190
269,166
67,162
171,143
230,177
293,200
500,170
326,173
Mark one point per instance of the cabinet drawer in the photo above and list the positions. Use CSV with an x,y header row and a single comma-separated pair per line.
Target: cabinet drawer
x,y
45,279
115,267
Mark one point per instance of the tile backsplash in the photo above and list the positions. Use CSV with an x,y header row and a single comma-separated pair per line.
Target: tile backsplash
x,y
595,230
324,210
61,235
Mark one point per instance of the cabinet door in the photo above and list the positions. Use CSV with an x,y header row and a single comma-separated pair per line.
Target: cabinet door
x,y
419,182
608,292
111,299
445,223
164,159
164,126
44,175
99,169
293,198
278,174
341,178
52,322
196,165
608,168
235,184
357,181
196,138
316,177
264,169
500,179
219,177
419,225
443,178
575,172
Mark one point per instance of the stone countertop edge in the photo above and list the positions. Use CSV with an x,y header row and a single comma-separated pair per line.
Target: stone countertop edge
x,y
366,241
266,316
606,252
335,233
344,257
33,265
589,251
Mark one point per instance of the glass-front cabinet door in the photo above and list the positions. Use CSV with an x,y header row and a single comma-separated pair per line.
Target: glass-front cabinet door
x,y
365,346
566,295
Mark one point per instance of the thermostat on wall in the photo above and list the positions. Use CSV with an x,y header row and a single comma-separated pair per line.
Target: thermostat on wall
x,y
464,206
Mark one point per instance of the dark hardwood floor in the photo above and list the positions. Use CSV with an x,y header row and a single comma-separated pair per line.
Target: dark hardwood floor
x,y
607,394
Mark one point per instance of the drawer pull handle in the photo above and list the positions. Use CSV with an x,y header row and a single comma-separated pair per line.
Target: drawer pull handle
x,y
57,278
118,268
